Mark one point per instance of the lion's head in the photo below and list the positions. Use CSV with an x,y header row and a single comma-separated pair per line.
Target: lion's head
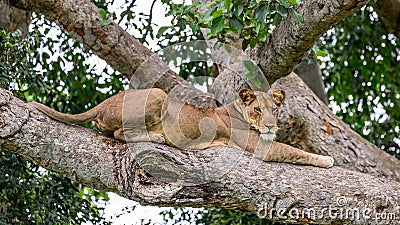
x,y
261,110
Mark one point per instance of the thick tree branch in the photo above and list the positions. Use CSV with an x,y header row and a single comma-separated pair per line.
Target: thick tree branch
x,y
12,19
291,40
281,192
389,13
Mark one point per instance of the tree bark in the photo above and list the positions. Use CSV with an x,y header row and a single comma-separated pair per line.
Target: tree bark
x,y
12,19
389,13
280,192
311,74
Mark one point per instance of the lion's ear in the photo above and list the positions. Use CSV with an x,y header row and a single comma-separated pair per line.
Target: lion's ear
x,y
247,96
278,96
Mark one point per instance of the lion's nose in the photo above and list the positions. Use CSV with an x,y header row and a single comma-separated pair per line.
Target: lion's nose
x,y
270,127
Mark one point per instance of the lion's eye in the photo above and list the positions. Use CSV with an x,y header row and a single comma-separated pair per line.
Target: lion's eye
x,y
257,110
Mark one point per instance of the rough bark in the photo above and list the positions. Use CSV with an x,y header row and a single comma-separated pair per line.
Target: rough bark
x,y
389,13
333,195
291,40
12,19
311,75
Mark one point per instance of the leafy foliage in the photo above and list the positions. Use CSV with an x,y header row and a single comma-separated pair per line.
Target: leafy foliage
x,y
362,79
16,62
29,195
252,20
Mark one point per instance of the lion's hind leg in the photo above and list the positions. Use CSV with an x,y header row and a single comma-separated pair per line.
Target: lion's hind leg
x,y
284,153
130,136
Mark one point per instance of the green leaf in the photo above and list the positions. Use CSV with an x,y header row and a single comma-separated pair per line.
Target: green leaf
x,y
284,3
261,13
205,18
190,7
294,2
277,19
249,76
257,83
228,48
217,25
195,28
209,4
182,24
161,31
216,13
250,66
238,10
262,37
253,42
245,43
236,23
103,13
283,11
228,4
321,53
299,17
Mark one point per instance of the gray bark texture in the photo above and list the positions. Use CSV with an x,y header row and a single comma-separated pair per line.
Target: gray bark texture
x,y
389,13
280,192
311,74
12,19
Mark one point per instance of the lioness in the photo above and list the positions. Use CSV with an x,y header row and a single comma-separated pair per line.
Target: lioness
x,y
248,123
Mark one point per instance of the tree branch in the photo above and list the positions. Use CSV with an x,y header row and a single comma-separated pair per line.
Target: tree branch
x,y
389,13
280,192
291,40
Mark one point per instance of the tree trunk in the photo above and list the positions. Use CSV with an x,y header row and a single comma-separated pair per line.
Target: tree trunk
x,y
156,174
12,19
311,75
389,13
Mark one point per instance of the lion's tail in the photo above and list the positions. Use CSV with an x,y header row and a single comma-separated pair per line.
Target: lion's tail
x,y
66,118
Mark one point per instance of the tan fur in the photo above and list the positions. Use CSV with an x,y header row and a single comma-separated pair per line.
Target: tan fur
x,y
248,123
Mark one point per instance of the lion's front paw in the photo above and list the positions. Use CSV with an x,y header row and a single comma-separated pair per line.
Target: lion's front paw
x,y
159,138
327,161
